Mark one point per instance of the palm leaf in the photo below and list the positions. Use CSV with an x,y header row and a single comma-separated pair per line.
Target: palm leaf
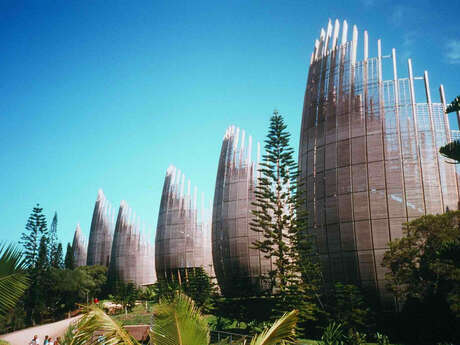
x,y
13,277
179,323
454,106
282,331
451,150
68,336
96,320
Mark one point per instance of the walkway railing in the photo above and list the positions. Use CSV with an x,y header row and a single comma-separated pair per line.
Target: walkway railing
x,y
217,336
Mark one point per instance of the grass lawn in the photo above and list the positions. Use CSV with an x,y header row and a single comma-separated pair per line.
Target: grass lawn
x,y
138,316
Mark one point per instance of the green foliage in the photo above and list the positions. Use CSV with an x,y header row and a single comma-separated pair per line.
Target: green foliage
x,y
148,293
282,224
179,322
355,338
382,339
35,228
220,323
58,261
69,259
194,282
137,316
424,274
13,277
274,216
126,295
42,259
73,287
96,320
55,248
68,335
96,276
426,261
454,105
451,150
333,334
281,332
165,289
349,308
244,310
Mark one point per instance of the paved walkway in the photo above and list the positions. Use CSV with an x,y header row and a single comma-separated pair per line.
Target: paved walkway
x,y
24,336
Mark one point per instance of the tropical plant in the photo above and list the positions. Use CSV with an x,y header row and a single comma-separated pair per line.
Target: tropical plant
x,y
355,338
425,263
347,306
382,339
333,334
13,277
423,272
452,149
95,322
126,295
68,335
175,323
454,105
179,322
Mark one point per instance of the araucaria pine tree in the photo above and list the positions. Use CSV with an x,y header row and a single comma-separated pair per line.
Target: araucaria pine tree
x,y
69,260
54,247
35,228
283,226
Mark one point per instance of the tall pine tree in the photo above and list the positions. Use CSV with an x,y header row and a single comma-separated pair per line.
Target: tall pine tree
x,y
58,261
69,261
36,227
43,258
53,243
282,223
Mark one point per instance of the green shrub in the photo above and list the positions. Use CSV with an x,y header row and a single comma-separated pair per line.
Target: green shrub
x,y
333,334
382,339
355,338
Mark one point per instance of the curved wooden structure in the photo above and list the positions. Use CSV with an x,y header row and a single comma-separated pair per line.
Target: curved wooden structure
x,y
368,155
240,269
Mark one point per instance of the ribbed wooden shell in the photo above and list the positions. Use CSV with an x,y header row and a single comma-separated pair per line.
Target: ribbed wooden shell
x,y
240,269
183,230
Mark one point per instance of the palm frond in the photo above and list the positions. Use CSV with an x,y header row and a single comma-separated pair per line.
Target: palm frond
x,y
451,150
69,334
95,320
454,106
179,323
282,331
13,277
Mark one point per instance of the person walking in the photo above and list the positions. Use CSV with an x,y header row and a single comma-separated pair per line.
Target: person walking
x,y
57,341
50,341
35,340
46,341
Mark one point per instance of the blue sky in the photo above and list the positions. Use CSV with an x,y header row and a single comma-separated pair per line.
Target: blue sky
x,y
107,94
